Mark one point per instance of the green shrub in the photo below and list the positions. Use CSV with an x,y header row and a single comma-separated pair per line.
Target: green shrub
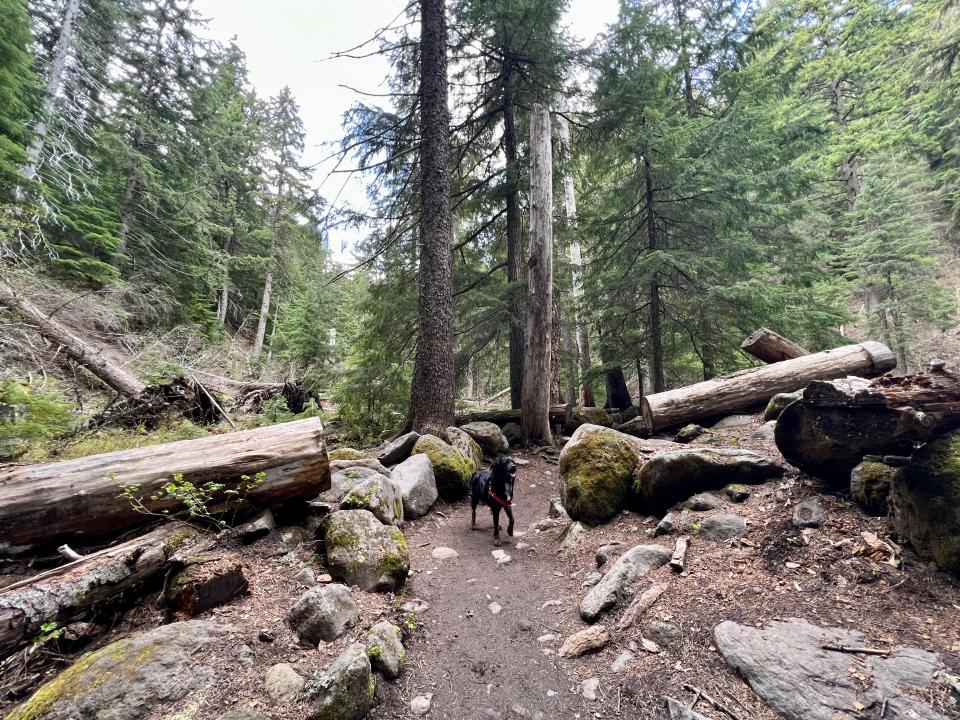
x,y
29,417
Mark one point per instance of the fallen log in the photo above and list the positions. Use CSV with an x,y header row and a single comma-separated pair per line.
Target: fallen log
x,y
641,604
764,344
68,592
53,503
559,415
835,424
76,349
744,389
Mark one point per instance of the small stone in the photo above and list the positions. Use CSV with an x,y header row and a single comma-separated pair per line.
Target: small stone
x,y
306,577
520,711
444,553
590,688
385,649
662,633
766,432
605,552
420,705
551,603
722,527
547,638
283,683
591,579
257,528
523,546
621,662
323,613
573,536
732,421
649,645
495,608
703,501
325,578
525,625
501,557
556,510
666,526
737,493
808,513
415,606
588,640
688,433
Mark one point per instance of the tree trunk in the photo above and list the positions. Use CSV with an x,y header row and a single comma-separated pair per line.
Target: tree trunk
x,y
571,363
744,389
618,394
556,332
432,390
657,377
69,592
59,502
264,313
535,422
77,350
764,344
514,246
576,262
559,415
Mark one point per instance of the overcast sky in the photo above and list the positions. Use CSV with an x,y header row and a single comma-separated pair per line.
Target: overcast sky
x,y
286,43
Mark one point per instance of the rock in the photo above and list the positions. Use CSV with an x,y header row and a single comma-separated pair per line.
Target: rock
x,y
580,416
257,528
591,579
669,477
385,649
346,453
368,463
590,689
662,633
548,638
307,577
444,553
679,711
722,526
605,552
778,403
786,665
420,705
208,581
736,492
495,608
667,525
689,433
468,447
556,510
629,567
322,614
451,468
283,683
501,556
342,481
766,432
130,678
623,659
596,466
732,421
379,495
488,436
870,486
573,536
243,714
513,433
808,513
925,498
418,486
363,552
415,606
635,427
703,501
649,645
589,640
344,691
399,449
294,537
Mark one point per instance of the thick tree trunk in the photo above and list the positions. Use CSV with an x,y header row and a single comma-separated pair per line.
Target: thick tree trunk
x,y
657,377
556,343
747,388
618,394
535,422
264,315
52,503
764,344
69,592
576,262
514,246
76,349
432,390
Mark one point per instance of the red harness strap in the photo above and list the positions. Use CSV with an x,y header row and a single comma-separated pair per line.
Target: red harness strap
x,y
500,501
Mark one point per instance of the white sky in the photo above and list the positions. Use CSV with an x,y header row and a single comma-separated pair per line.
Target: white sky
x,y
286,42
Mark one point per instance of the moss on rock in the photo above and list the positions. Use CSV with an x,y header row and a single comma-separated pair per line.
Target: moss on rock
x,y
347,453
596,466
870,486
451,468
363,552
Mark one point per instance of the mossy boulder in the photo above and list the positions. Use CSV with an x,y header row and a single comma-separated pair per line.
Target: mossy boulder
x,y
689,433
368,463
322,614
925,498
580,416
470,448
361,551
344,691
131,677
489,437
342,481
347,453
596,466
451,468
385,649
870,486
379,495
778,403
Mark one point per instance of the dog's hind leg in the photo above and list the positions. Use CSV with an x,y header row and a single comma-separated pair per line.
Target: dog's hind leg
x,y
509,513
496,524
473,515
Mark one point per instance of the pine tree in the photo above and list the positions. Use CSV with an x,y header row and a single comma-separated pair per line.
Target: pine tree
x,y
18,94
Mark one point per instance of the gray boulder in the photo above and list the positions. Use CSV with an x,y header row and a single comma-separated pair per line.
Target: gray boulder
x,y
629,567
722,526
669,477
787,666
689,433
667,525
605,552
703,501
596,466
468,447
513,433
323,613
635,427
766,432
130,678
399,449
380,495
385,649
283,683
732,421
363,552
342,481
368,463
258,527
870,484
418,486
344,691
808,513
488,436
778,403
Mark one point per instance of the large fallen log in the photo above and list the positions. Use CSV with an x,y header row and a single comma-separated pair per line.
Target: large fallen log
x,y
69,592
76,349
559,415
44,505
764,344
744,389
835,424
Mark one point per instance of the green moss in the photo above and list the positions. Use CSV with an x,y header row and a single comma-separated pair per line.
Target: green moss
x,y
395,564
374,651
596,473
870,486
451,467
346,454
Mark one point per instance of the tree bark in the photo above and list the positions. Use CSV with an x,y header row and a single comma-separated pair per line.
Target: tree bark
x,y
535,403
764,344
432,390
514,245
618,394
744,389
53,503
77,350
69,592
556,343
657,377
264,313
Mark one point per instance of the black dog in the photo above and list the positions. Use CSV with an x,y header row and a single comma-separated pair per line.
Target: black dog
x,y
495,488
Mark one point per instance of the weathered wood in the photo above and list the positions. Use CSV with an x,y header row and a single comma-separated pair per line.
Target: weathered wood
x,y
53,503
679,558
744,389
638,607
68,592
76,349
559,415
836,423
771,347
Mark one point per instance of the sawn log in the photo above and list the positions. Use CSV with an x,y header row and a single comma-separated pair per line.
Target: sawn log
x,y
771,347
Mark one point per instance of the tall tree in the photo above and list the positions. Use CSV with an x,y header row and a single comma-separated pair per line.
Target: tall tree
x,y
18,90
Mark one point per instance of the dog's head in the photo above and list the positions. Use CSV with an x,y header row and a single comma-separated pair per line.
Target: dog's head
x,y
505,469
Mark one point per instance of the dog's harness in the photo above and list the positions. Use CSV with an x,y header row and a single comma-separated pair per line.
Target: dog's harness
x,y
496,498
